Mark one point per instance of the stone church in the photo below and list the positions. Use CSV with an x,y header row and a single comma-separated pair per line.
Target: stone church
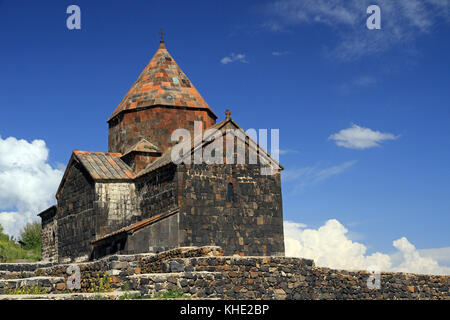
x,y
135,199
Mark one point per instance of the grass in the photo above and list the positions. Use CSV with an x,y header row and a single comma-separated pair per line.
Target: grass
x,y
10,251
101,284
127,296
25,290
171,294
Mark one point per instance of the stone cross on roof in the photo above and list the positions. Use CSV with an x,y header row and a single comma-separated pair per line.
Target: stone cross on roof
x,y
161,33
227,114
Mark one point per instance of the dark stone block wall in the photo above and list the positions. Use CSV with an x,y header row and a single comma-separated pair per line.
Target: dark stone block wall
x,y
251,224
156,192
77,219
157,237
155,124
49,235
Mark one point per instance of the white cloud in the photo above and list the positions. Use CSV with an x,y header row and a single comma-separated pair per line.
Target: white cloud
x,y
357,137
354,85
401,21
27,182
288,151
240,57
281,53
303,177
441,255
330,246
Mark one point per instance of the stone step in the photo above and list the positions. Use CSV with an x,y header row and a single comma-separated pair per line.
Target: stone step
x,y
42,284
115,295
16,275
24,266
230,263
129,264
196,284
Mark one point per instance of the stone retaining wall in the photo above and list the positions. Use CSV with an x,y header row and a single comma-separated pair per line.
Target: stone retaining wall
x,y
204,272
294,278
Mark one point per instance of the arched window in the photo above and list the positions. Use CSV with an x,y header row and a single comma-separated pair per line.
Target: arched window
x,y
230,192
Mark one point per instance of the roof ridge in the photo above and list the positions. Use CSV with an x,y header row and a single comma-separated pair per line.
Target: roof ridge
x,y
83,152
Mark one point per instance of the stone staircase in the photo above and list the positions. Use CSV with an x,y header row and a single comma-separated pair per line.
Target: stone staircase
x,y
117,276
205,273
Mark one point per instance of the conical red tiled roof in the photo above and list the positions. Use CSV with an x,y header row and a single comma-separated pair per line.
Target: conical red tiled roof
x,y
162,83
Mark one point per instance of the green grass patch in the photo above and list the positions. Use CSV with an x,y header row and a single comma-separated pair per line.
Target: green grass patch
x,y
172,294
10,250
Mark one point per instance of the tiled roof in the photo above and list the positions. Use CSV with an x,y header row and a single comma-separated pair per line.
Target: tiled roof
x,y
166,157
198,142
137,226
143,146
161,83
104,166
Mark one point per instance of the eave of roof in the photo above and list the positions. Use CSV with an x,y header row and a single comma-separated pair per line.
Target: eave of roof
x,y
136,226
43,213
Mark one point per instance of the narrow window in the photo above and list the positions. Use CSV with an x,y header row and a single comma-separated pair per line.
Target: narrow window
x,y
230,192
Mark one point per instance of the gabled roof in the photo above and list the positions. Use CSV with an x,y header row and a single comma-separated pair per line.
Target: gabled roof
x,y
48,211
143,146
162,82
199,142
100,166
104,166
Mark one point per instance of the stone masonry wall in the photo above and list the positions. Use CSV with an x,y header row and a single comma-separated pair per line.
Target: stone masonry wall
x,y
157,237
117,206
204,272
155,124
294,279
76,215
49,235
251,224
156,192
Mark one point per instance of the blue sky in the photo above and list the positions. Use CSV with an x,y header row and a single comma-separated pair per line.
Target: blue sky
x,y
309,68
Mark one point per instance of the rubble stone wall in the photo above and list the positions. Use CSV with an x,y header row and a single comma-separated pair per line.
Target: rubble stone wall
x,y
203,272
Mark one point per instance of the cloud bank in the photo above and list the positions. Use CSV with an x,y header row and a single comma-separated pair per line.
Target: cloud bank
x,y
27,182
330,246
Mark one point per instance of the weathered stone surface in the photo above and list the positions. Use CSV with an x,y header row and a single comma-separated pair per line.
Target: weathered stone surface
x,y
212,275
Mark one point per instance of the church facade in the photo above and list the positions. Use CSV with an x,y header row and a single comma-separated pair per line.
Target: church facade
x,y
135,198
